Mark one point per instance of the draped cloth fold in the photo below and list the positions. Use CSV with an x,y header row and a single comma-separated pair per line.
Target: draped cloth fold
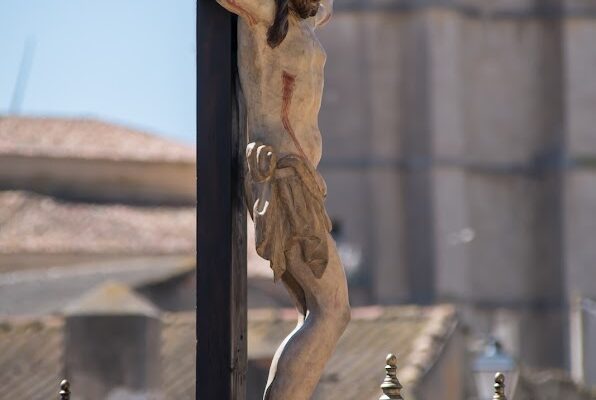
x,y
286,199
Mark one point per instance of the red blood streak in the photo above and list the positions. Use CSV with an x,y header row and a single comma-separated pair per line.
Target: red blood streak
x,y
289,83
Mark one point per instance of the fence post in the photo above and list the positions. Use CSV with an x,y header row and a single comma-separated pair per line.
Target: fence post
x,y
391,387
499,387
64,390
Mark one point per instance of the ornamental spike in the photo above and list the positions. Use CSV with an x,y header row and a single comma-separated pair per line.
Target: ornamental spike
x,y
64,390
391,387
499,387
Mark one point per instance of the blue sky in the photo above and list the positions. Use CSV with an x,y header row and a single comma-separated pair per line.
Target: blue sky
x,y
126,61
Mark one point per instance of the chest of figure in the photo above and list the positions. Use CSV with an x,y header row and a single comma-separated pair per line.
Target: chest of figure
x,y
301,48
262,68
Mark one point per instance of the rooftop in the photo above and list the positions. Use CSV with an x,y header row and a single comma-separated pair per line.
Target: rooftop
x,y
48,290
85,139
31,351
31,223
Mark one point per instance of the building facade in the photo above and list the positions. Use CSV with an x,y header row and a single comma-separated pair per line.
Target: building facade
x,y
460,139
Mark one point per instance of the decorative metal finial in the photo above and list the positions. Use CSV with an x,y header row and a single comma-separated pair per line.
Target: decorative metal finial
x,y
64,390
391,386
499,387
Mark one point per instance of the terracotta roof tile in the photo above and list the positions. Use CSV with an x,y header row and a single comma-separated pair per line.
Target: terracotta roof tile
x,y
31,358
31,223
86,139
31,351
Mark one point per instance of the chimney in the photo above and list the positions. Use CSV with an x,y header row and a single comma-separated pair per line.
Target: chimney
x,y
112,345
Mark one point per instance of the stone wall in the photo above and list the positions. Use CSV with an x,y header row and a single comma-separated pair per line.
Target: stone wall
x,y
460,153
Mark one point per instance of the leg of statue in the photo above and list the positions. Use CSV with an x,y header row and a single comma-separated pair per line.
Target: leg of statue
x,y
300,360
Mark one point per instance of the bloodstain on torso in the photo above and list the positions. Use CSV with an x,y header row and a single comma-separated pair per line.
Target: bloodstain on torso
x,y
288,85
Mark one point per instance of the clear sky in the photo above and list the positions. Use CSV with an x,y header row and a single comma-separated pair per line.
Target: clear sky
x,y
126,61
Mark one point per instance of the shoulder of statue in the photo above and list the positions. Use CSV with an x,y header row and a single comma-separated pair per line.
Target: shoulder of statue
x,y
252,11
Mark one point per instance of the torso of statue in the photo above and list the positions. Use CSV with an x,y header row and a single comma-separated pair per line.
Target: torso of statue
x,y
284,85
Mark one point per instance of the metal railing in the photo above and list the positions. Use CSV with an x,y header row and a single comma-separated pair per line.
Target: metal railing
x,y
64,390
391,387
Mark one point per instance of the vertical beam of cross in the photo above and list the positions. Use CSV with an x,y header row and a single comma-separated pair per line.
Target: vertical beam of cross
x,y
221,215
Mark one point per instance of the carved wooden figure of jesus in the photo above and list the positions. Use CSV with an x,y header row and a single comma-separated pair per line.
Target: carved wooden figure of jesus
x,y
280,64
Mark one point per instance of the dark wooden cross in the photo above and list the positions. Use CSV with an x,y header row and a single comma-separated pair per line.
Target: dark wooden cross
x,y
221,213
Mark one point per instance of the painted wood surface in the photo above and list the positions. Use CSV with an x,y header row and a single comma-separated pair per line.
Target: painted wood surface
x,y
221,215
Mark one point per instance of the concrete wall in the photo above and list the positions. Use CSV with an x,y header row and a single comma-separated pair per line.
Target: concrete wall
x,y
580,182
460,149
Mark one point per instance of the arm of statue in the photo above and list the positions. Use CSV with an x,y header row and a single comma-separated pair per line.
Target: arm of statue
x,y
252,11
324,14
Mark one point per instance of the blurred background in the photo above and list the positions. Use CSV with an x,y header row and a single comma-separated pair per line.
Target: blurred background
x,y
460,157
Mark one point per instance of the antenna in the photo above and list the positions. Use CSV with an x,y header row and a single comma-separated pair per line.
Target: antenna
x,y
21,84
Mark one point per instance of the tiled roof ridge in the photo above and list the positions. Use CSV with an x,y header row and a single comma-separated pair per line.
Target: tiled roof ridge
x,y
34,322
441,321
17,200
436,313
429,346
157,229
74,119
375,312
66,139
25,195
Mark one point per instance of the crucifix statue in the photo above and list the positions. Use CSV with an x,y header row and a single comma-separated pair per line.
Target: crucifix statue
x,y
280,66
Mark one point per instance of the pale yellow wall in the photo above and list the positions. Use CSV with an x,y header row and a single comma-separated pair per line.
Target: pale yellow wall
x,y
101,180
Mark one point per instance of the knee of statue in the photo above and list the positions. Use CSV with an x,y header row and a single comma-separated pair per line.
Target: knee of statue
x,y
342,315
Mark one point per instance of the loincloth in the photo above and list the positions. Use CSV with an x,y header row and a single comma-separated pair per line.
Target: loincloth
x,y
286,199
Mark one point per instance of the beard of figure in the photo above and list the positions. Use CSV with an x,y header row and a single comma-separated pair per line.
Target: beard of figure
x,y
305,8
